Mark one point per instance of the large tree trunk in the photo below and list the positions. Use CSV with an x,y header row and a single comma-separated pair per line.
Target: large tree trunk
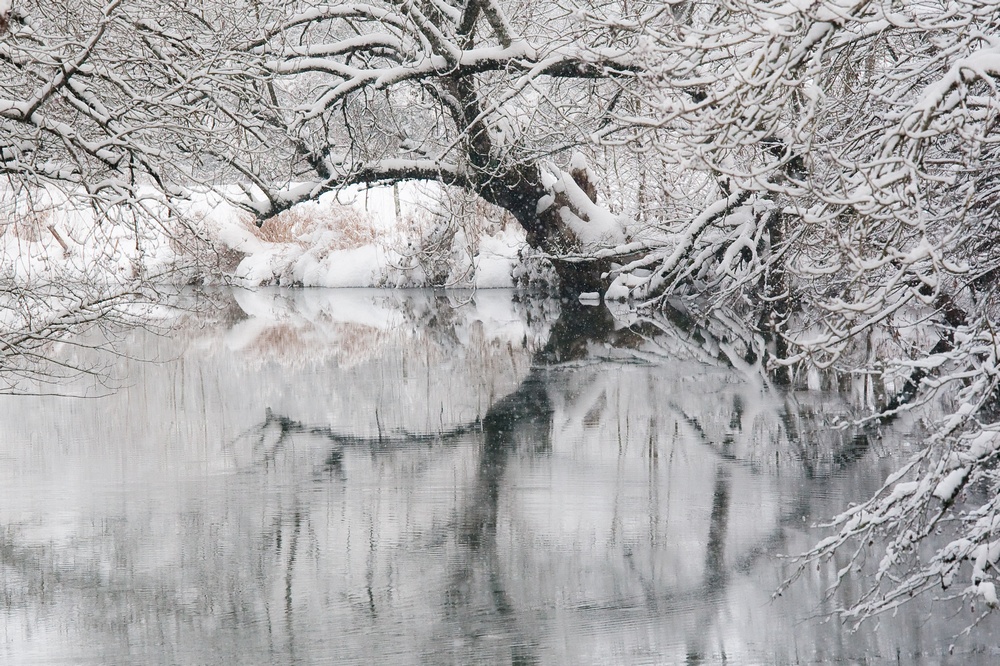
x,y
519,189
519,193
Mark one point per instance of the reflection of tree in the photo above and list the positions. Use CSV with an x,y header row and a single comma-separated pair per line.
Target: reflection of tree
x,y
578,328
276,431
454,536
716,572
478,600
523,418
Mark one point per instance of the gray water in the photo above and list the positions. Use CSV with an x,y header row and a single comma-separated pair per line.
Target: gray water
x,y
409,478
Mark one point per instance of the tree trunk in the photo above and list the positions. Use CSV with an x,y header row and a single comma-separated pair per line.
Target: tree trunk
x,y
519,193
776,290
518,190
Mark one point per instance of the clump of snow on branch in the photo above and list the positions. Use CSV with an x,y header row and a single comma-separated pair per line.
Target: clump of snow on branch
x,y
591,223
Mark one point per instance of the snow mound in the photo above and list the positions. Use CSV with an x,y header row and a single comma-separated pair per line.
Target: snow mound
x,y
497,258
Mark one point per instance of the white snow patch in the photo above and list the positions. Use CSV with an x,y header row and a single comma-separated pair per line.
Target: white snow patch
x,y
946,489
577,161
598,227
496,260
543,203
988,592
814,380
984,444
355,267
623,285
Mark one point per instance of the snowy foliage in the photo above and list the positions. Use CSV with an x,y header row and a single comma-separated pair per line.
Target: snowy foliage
x,y
848,151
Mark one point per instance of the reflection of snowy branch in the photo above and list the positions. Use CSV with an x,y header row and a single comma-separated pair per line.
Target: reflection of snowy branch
x,y
946,488
390,439
40,317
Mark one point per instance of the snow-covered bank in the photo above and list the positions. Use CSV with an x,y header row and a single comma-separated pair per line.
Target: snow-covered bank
x,y
359,238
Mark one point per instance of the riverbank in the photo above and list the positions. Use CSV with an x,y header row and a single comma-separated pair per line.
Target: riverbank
x,y
398,236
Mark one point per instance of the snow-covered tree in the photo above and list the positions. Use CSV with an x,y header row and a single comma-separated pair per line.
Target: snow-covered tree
x,y
488,96
81,107
847,151
827,172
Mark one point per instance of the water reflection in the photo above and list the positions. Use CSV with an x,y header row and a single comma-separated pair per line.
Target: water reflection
x,y
328,477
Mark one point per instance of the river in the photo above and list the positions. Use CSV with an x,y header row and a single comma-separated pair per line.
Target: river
x,y
410,477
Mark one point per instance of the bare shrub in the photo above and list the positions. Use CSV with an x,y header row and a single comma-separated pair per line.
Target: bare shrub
x,y
350,228
449,235
187,241
30,226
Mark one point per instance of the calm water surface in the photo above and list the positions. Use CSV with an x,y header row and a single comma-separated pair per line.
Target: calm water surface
x,y
408,478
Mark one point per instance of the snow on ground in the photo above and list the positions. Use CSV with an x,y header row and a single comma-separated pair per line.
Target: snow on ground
x,y
497,258
356,238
